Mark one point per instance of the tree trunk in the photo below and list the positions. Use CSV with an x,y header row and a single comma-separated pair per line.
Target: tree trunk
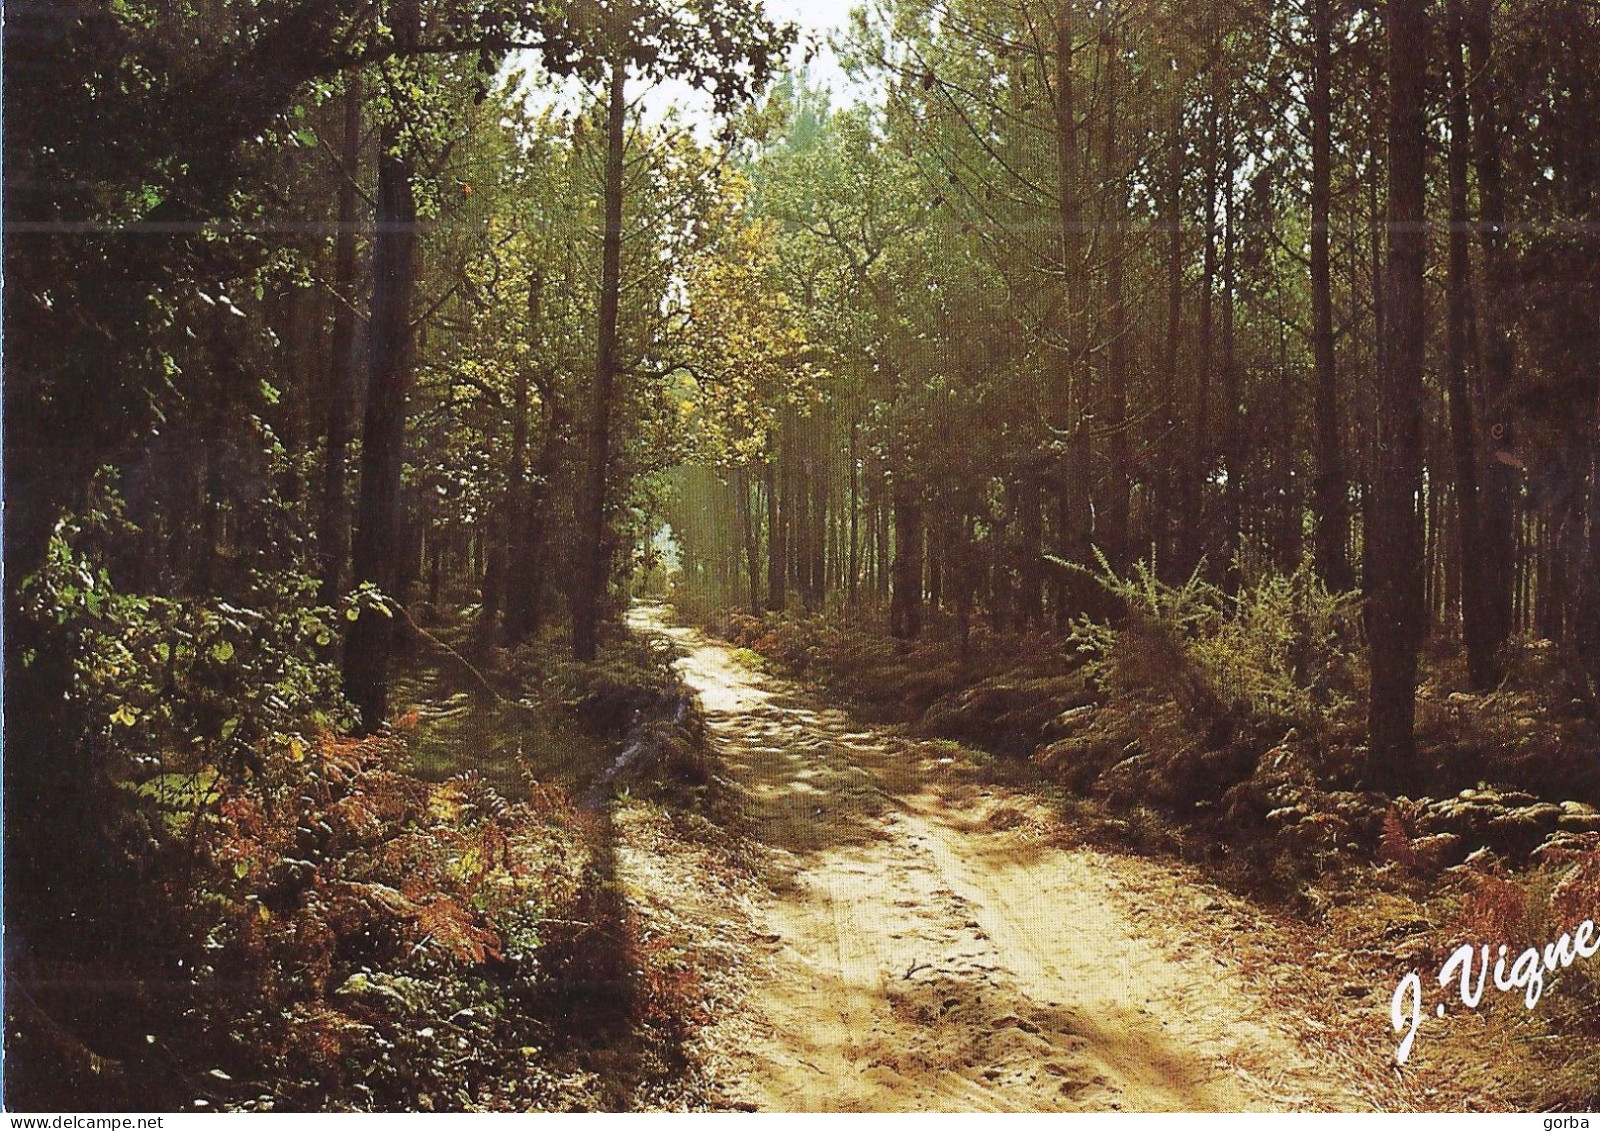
x,y
1332,505
1476,617
595,569
518,500
854,579
1171,514
1073,397
819,543
496,530
530,552
1114,540
905,604
777,567
793,517
375,546
1396,618
436,540
1497,480
1200,449
1585,631
747,532
804,531
965,578
1232,409
881,554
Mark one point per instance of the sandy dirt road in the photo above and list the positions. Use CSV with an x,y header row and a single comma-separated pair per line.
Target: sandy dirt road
x,y
923,943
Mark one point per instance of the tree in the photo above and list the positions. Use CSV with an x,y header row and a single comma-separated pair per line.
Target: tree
x,y
1330,489
595,567
748,347
1497,478
1476,616
333,530
731,50
1396,616
390,352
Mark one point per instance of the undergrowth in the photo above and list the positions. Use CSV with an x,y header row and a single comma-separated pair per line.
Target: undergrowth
x,y
1226,727
309,921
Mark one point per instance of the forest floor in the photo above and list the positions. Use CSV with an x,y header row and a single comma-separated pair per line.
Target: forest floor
x,y
901,928
628,887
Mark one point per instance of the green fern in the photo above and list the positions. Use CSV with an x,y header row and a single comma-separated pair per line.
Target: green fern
x,y
1281,648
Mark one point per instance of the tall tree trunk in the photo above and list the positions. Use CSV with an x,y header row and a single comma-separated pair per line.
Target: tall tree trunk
x,y
1291,508
1497,479
496,531
803,519
1232,397
595,572
881,542
854,579
819,544
1200,450
1585,631
1172,516
905,605
1329,491
1476,617
1000,578
519,495
777,567
333,530
1552,580
530,555
747,534
1114,540
1396,618
964,577
793,520
390,354
436,540
1073,398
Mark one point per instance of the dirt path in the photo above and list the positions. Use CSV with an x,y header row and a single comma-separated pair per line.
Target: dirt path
x,y
925,946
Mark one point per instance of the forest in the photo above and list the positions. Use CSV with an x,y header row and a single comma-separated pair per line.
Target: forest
x,y
512,507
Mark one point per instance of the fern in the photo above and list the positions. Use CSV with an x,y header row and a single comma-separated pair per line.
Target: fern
x,y
1394,843
1497,908
1280,649
1576,896
451,928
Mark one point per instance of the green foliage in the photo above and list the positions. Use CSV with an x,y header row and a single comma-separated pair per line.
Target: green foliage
x,y
167,685
1281,649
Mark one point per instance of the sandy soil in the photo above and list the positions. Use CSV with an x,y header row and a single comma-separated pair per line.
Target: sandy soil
x,y
920,940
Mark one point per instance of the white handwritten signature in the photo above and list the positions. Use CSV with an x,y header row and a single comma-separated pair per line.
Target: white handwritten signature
x,y
1526,973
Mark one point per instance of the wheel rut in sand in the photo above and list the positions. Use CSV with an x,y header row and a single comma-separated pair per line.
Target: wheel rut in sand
x,y
925,947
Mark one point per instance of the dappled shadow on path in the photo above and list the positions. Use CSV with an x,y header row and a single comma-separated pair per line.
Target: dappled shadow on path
x,y
932,950
812,778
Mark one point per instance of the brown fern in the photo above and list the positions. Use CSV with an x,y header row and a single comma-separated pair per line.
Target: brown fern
x,y
1394,843
1576,896
1497,908
450,927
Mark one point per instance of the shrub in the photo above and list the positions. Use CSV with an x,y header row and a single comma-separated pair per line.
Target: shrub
x,y
1281,651
173,690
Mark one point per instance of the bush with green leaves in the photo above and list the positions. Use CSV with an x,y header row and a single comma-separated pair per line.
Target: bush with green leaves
x,y
174,690
1282,648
